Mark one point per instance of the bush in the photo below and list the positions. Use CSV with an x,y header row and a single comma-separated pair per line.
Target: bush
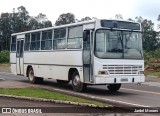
x,y
157,53
4,56
147,55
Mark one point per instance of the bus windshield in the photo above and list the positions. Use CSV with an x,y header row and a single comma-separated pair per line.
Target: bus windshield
x,y
118,44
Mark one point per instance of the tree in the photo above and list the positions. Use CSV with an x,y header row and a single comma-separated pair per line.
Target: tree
x,y
129,19
118,16
158,20
5,30
33,23
22,17
22,21
65,19
12,23
94,18
158,17
47,24
17,22
139,19
40,21
85,19
41,17
43,21
150,42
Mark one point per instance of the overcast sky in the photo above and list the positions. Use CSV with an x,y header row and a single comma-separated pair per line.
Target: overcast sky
x,y
93,8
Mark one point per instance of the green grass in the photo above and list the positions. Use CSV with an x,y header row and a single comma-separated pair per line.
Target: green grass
x,y
153,73
41,93
5,67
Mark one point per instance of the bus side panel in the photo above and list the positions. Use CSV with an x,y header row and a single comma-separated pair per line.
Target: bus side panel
x,y
55,64
13,62
25,69
56,72
80,71
60,72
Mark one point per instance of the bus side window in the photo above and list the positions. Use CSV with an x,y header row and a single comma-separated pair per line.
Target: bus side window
x,y
13,43
75,37
27,42
59,41
35,41
46,42
86,40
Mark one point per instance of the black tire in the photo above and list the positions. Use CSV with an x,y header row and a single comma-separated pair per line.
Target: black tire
x,y
62,82
77,85
39,79
32,79
113,87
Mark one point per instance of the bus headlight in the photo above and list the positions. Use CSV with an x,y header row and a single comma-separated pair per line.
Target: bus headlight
x,y
141,72
102,72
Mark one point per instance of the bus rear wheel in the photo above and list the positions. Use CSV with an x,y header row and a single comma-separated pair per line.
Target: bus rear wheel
x,y
113,87
32,79
77,85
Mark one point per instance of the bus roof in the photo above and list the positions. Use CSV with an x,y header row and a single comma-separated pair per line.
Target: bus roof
x,y
55,27
69,25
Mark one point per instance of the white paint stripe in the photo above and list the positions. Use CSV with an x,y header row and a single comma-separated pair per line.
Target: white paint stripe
x,y
140,91
100,98
127,103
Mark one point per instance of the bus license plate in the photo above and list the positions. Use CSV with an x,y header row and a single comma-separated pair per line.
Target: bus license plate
x,y
124,80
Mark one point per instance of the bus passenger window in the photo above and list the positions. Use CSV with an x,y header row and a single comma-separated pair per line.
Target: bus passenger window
x,y
35,41
75,37
46,42
59,41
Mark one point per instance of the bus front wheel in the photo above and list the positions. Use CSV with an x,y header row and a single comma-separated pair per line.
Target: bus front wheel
x,y
32,78
77,85
113,87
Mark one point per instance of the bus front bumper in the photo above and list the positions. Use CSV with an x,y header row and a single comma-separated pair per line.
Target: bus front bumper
x,y
119,79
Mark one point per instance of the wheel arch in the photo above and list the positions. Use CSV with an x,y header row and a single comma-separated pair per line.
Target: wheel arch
x,y
70,73
29,66
72,70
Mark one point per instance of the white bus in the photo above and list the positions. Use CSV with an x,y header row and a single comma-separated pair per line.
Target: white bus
x,y
107,52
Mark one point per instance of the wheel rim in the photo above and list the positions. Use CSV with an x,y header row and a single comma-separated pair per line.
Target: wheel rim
x,y
31,75
76,81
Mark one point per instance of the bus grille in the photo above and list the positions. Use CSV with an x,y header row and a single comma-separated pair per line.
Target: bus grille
x,y
123,69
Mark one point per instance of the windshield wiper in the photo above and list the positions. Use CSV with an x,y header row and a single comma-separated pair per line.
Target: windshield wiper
x,y
128,39
121,40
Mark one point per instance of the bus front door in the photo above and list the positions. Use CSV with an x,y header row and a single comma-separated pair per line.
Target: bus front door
x,y
87,61
19,56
